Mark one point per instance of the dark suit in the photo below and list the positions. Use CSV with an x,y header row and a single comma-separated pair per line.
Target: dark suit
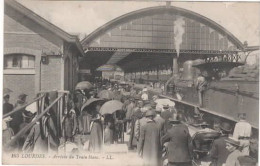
x,y
219,153
179,147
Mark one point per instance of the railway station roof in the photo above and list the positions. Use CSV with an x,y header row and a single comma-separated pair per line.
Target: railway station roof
x,y
150,37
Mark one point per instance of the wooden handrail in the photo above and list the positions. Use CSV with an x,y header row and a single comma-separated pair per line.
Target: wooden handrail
x,y
27,127
19,108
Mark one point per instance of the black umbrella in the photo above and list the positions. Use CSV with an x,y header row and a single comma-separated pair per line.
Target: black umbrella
x,y
90,102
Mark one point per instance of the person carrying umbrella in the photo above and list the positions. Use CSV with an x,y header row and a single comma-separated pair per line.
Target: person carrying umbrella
x,y
86,111
96,131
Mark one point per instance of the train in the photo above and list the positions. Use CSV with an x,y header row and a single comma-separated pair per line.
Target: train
x,y
226,92
230,88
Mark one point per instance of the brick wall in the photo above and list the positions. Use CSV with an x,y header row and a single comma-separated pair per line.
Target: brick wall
x,y
51,74
22,35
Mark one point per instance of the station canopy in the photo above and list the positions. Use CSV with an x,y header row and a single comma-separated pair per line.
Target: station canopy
x,y
149,38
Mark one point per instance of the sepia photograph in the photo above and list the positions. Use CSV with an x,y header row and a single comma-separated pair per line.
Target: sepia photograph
x,y
130,83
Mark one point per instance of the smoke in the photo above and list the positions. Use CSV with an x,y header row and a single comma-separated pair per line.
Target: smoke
x,y
178,32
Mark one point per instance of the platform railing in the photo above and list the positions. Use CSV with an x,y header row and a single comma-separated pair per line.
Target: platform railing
x,y
40,113
24,106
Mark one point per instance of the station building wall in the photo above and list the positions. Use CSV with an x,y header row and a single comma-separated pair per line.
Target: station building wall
x,y
25,37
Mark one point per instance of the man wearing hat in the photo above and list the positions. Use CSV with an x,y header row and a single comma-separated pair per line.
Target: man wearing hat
x,y
7,107
179,146
218,152
233,146
242,132
150,147
166,112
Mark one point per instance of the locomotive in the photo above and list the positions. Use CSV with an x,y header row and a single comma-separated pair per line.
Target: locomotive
x,y
228,88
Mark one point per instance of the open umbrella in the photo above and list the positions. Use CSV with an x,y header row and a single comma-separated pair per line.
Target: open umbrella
x,y
161,102
106,94
110,107
90,102
84,85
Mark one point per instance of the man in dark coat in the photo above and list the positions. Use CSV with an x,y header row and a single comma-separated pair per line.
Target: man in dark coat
x,y
150,141
179,147
218,152
7,107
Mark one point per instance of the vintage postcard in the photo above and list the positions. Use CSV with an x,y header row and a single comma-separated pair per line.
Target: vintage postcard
x,y
130,83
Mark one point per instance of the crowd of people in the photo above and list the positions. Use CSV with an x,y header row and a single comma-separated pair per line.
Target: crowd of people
x,y
156,131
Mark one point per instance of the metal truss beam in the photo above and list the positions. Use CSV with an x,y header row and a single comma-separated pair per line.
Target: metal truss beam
x,y
159,50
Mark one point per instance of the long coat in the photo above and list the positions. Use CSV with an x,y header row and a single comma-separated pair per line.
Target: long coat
x,y
179,147
218,152
150,144
161,124
96,136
